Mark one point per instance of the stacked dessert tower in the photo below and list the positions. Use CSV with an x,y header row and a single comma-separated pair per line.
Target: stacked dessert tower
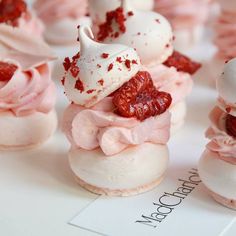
x,y
217,167
153,40
118,124
187,18
61,17
27,93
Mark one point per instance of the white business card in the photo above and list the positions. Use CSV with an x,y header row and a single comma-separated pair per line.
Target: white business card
x,y
179,206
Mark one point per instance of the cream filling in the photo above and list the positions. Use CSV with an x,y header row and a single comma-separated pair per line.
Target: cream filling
x,y
219,176
132,168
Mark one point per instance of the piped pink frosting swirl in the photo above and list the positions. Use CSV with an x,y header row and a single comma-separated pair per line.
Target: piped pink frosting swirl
x,y
225,38
221,142
168,79
100,127
53,10
183,14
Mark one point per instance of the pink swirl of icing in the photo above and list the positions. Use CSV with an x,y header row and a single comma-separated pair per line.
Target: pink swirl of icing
x,y
168,79
225,39
28,91
221,142
183,14
53,10
101,127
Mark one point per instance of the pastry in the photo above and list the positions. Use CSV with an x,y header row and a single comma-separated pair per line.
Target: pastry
x,y
118,124
153,40
61,17
27,94
187,17
217,166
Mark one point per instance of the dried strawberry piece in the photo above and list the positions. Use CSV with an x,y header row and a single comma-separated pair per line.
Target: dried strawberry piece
x,y
182,63
11,10
230,124
139,98
6,71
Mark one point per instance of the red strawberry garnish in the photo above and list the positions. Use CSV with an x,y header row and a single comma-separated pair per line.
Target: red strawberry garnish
x,y
182,63
11,10
139,98
230,124
6,71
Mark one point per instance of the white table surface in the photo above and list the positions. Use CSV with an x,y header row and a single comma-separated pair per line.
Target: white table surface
x,y
38,193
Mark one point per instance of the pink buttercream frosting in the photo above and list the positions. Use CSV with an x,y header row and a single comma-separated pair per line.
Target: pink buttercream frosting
x,y
100,127
225,37
168,79
53,10
30,89
221,143
183,14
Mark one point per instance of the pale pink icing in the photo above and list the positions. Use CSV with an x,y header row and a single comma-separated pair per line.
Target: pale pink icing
x,y
221,142
168,79
183,14
101,127
225,38
28,91
52,10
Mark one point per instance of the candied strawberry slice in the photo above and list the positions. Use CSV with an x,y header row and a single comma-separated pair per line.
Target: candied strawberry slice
x,y
6,71
11,10
139,98
230,124
182,63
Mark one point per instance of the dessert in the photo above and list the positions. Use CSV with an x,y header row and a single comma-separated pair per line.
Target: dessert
x,y
153,40
61,19
15,13
27,94
98,9
118,124
225,39
187,18
217,166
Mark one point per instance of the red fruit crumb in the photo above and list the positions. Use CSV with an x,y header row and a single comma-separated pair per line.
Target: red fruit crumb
x,y
79,85
91,91
110,67
134,62
139,98
118,59
128,63
11,10
101,82
74,70
67,63
230,124
106,29
105,55
130,13
6,71
99,66
182,63
63,81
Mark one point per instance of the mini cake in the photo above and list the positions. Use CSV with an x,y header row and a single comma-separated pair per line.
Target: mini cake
x,y
61,19
16,14
217,167
187,18
225,38
118,124
27,94
153,40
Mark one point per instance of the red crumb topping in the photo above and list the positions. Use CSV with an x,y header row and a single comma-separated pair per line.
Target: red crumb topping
x,y
139,98
128,63
63,81
230,124
6,71
91,91
118,59
79,85
182,63
101,82
130,13
74,70
99,66
110,67
105,55
106,29
134,62
67,63
11,10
